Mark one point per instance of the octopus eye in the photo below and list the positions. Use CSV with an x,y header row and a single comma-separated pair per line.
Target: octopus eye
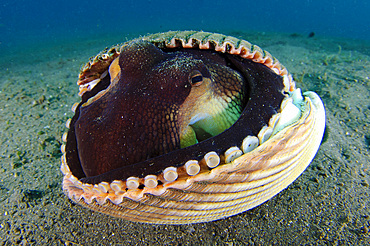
x,y
195,78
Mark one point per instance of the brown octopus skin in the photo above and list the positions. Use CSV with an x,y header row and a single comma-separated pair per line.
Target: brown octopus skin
x,y
128,109
238,183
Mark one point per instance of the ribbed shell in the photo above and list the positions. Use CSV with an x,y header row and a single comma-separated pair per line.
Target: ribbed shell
x,y
227,189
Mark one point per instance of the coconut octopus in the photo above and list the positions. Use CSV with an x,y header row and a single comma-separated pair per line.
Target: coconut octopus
x,y
186,127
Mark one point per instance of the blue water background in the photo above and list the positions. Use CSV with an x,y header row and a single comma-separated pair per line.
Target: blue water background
x,y
25,22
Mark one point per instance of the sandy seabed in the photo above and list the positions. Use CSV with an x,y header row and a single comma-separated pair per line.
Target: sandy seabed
x,y
328,204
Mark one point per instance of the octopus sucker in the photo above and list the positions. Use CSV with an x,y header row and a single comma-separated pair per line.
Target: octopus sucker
x,y
186,127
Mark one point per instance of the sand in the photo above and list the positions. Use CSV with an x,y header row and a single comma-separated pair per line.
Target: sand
x,y
327,205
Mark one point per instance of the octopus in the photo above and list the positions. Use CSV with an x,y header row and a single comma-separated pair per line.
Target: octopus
x,y
186,127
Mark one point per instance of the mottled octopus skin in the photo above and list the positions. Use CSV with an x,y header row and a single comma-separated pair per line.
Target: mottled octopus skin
x,y
267,93
230,188
139,117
